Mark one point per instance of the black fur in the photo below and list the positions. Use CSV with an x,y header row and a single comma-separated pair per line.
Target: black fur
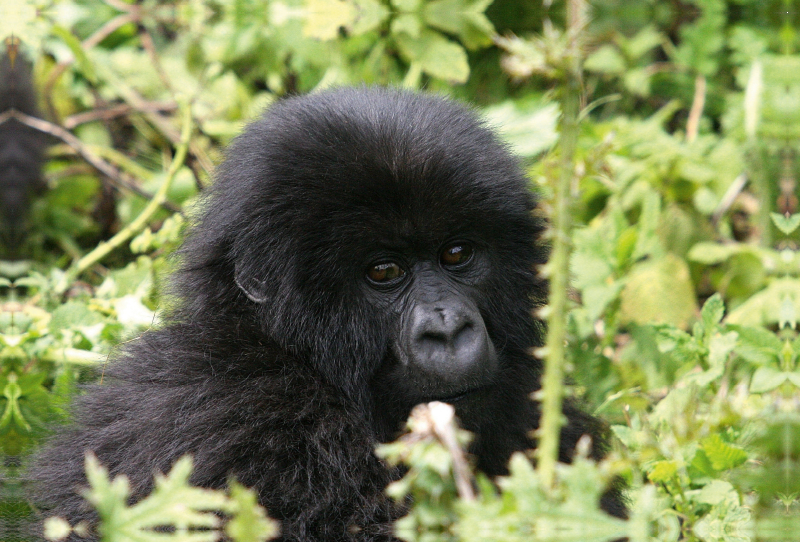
x,y
21,152
291,393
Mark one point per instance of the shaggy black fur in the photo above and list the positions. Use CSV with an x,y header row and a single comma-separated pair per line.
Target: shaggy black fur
x,y
21,153
290,386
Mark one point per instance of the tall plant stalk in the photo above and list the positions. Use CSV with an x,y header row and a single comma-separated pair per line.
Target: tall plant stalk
x,y
552,387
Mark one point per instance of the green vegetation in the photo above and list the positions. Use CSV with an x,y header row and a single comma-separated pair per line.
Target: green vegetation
x,y
664,137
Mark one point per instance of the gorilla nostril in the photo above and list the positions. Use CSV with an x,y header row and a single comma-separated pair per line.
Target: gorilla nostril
x,y
464,337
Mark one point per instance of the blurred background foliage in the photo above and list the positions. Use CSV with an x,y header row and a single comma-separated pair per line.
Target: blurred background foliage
x,y
685,298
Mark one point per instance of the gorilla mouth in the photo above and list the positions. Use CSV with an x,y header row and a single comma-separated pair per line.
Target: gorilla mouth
x,y
459,396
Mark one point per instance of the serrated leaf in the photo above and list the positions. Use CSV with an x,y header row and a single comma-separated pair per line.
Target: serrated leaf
x,y
722,455
250,522
712,312
438,56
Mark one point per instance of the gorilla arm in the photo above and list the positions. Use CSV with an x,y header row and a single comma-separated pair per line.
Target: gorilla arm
x,y
278,429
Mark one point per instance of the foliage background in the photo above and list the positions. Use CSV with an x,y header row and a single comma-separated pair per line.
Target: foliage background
x,y
684,299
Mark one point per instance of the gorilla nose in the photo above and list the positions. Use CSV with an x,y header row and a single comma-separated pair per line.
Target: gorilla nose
x,y
450,342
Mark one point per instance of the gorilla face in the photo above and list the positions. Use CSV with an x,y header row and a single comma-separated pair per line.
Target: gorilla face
x,y
439,346
385,237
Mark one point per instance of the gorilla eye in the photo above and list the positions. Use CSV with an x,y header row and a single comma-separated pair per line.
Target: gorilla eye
x,y
385,272
455,255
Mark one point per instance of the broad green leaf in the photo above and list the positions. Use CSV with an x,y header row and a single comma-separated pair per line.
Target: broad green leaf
x,y
606,59
73,314
712,312
407,6
371,14
409,23
324,18
768,378
757,345
711,253
716,492
764,308
530,128
660,291
462,18
438,56
787,224
645,40
173,502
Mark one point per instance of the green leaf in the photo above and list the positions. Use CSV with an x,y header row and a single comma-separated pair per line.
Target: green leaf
x,y
606,59
764,308
711,314
173,502
660,291
722,455
461,18
371,14
787,224
711,253
663,471
716,492
757,345
530,127
767,378
324,18
409,24
73,314
75,46
438,56
250,522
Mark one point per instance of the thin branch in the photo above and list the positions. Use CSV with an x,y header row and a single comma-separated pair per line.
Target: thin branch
x,y
115,175
112,112
104,248
729,197
698,103
147,42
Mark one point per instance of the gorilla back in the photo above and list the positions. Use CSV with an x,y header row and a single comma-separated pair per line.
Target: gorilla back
x,y
362,251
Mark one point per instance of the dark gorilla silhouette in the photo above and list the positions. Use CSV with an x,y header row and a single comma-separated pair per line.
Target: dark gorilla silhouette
x,y
362,251
21,153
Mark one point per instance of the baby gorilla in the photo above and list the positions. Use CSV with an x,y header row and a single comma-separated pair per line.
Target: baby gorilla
x,y
361,251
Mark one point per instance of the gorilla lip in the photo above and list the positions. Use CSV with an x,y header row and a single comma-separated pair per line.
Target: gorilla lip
x,y
459,396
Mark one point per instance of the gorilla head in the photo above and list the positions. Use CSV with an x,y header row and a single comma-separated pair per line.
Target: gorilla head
x,y
385,237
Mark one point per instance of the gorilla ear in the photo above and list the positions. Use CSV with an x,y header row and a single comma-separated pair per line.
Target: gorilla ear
x,y
254,289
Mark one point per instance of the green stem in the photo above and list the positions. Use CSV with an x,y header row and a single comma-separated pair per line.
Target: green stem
x,y
552,388
104,248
